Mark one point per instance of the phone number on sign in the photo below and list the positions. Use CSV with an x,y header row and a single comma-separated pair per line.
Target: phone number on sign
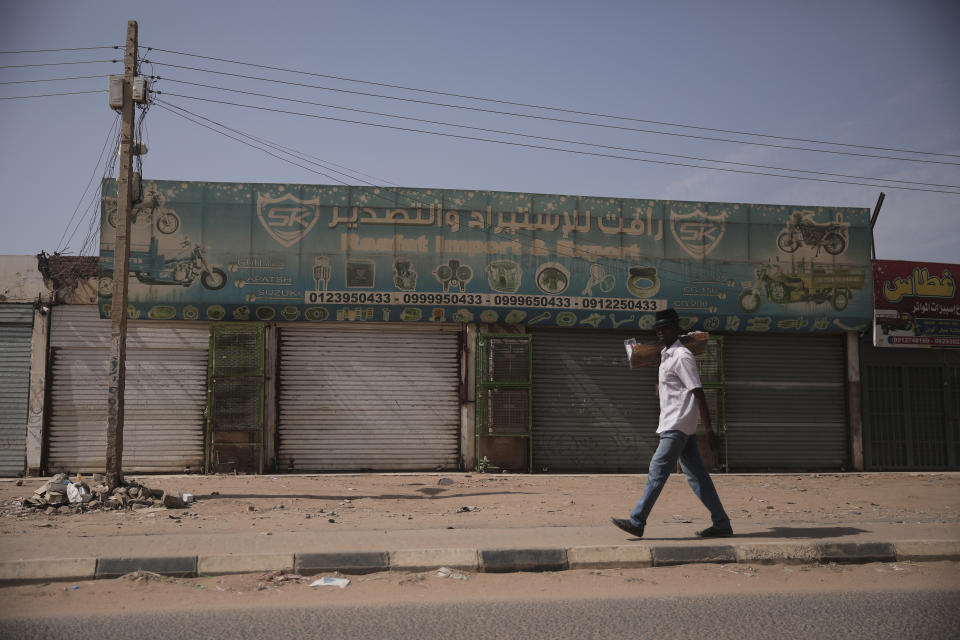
x,y
485,300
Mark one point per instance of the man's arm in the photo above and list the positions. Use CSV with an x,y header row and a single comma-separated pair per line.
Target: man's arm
x,y
712,436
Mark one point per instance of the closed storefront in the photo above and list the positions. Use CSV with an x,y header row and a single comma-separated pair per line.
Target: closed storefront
x,y
369,397
785,402
911,408
591,412
16,326
165,394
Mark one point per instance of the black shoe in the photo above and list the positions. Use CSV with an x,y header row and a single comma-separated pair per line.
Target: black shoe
x,y
716,532
626,525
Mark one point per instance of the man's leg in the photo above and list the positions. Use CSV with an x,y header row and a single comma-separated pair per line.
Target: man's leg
x,y
702,484
661,465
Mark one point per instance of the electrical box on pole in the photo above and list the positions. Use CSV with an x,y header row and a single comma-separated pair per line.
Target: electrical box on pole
x,y
141,88
116,92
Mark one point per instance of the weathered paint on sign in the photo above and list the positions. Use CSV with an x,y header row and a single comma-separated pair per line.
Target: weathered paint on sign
x,y
231,251
917,304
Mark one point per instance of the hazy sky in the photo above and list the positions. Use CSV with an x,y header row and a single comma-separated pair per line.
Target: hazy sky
x,y
875,73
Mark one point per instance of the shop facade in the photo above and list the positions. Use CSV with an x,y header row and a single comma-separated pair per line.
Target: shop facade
x,y
380,324
911,368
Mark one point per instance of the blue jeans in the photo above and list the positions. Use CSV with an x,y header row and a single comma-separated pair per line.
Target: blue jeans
x,y
676,445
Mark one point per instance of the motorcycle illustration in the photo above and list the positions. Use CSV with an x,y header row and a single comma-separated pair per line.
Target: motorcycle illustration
x,y
819,284
803,230
153,206
150,267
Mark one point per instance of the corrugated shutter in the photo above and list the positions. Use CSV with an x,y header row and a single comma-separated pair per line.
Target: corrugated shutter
x,y
164,400
16,328
911,408
369,397
591,412
786,402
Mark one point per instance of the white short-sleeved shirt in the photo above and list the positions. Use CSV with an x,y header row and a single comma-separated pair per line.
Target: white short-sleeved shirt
x,y
677,379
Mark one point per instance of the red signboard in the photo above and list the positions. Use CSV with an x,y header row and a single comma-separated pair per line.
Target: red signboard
x,y
916,304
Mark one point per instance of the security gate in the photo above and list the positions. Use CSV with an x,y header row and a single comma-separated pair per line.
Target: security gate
x,y
16,329
235,427
359,397
591,412
165,393
786,402
911,408
503,413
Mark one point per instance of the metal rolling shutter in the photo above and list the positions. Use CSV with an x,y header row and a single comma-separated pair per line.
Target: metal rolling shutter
x,y
16,329
786,402
369,397
164,400
591,412
911,408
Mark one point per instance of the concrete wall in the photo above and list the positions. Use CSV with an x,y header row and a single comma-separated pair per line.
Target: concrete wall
x,y
21,280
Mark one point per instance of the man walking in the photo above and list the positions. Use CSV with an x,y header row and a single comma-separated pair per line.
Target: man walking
x,y
681,402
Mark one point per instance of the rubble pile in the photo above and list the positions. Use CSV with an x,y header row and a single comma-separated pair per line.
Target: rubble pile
x,y
60,494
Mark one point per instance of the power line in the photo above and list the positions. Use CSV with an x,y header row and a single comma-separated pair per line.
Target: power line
x,y
666,273
53,64
562,110
164,105
523,236
55,79
110,136
552,139
549,119
47,95
294,152
547,148
49,50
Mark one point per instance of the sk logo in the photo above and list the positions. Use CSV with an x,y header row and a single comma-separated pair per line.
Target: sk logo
x,y
287,218
697,232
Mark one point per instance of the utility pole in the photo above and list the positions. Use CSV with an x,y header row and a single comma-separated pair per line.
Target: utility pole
x,y
121,266
873,223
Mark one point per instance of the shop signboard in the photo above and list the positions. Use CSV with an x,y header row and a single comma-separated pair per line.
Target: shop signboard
x,y
917,304
314,253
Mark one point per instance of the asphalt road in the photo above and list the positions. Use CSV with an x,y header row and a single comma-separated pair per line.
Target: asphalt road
x,y
784,616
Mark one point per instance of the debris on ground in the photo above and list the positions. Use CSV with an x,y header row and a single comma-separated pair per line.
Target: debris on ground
x,y
61,495
141,575
279,577
447,572
329,581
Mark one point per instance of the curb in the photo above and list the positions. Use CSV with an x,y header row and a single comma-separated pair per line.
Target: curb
x,y
483,560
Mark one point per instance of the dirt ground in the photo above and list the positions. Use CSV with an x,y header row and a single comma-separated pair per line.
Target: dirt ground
x,y
151,592
228,503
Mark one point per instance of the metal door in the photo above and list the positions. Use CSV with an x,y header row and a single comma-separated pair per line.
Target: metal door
x,y
786,402
16,329
911,408
236,398
369,397
591,412
165,394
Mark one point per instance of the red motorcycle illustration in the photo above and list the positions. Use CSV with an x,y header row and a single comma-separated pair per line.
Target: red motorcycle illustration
x,y
803,230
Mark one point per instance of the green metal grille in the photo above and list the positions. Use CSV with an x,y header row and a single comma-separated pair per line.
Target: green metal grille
x,y
504,392
236,387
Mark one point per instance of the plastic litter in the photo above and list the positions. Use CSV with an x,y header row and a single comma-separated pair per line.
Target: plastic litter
x,y
447,572
78,493
328,581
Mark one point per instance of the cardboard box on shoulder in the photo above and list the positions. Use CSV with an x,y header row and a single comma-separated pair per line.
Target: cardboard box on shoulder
x,y
647,354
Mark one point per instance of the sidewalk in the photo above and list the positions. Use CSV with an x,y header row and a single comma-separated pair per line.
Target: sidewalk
x,y
374,522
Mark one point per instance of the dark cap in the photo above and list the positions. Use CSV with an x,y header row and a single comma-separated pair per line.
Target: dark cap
x,y
666,317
